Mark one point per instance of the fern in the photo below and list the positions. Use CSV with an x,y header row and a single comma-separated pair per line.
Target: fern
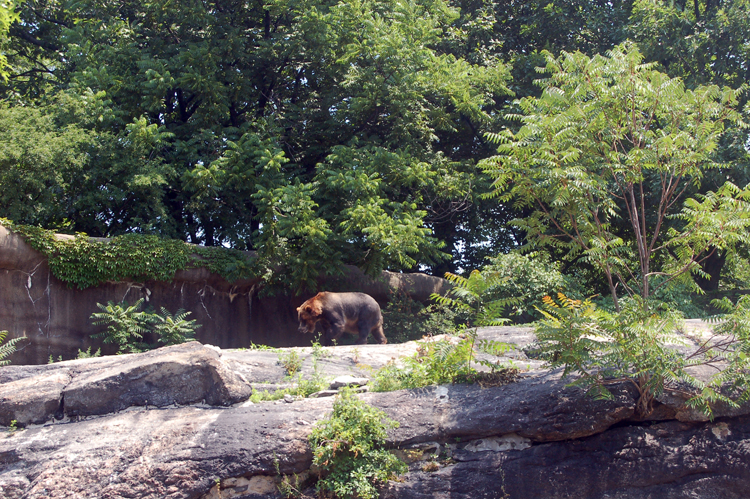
x,y
637,346
8,348
470,295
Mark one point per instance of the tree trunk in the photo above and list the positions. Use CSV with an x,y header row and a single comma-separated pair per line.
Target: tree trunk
x,y
712,266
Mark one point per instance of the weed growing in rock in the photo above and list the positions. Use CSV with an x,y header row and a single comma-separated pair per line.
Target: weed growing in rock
x,y
86,354
289,486
291,361
302,387
253,346
318,350
348,449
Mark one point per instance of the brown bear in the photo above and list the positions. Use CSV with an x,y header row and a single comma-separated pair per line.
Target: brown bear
x,y
355,313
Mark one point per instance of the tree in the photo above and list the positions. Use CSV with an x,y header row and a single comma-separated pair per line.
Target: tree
x,y
611,138
314,133
702,42
58,171
8,15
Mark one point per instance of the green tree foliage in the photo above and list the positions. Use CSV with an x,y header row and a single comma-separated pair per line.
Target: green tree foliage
x,y
702,41
613,139
526,279
316,134
8,15
58,171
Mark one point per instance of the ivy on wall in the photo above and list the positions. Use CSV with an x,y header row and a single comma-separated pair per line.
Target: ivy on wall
x,y
85,262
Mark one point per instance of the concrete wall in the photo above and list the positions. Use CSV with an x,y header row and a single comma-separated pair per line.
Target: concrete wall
x,y
56,317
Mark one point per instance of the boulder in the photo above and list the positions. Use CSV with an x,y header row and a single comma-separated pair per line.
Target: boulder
x,y
182,374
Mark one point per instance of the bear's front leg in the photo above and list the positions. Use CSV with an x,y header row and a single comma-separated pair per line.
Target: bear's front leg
x,y
364,332
332,332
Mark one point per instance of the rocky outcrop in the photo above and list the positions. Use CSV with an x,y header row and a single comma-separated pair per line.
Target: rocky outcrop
x,y
56,317
667,460
535,438
183,374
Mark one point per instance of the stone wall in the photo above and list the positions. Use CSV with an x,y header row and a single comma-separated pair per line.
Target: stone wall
x,y
56,317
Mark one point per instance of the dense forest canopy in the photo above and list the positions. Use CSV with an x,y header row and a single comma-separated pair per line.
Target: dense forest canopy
x,y
327,133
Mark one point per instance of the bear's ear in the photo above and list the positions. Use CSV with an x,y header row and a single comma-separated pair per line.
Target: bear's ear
x,y
308,309
299,308
315,308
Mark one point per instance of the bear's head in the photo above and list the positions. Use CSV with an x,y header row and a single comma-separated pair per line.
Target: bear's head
x,y
308,314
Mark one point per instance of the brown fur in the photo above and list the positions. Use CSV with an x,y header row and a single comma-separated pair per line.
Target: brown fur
x,y
337,313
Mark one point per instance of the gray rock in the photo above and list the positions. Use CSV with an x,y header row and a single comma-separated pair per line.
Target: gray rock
x,y
35,399
540,407
536,438
324,393
347,380
180,374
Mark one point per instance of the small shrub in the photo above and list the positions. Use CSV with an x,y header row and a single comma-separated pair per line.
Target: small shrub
x,y
637,346
348,449
126,325
173,329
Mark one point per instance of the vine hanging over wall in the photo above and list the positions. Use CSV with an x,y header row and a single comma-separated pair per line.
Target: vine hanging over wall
x,y
85,262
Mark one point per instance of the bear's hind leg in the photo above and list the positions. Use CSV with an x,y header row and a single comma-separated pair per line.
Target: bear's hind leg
x,y
377,332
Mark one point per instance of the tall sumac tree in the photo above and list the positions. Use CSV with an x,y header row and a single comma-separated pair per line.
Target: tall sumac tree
x,y
605,159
